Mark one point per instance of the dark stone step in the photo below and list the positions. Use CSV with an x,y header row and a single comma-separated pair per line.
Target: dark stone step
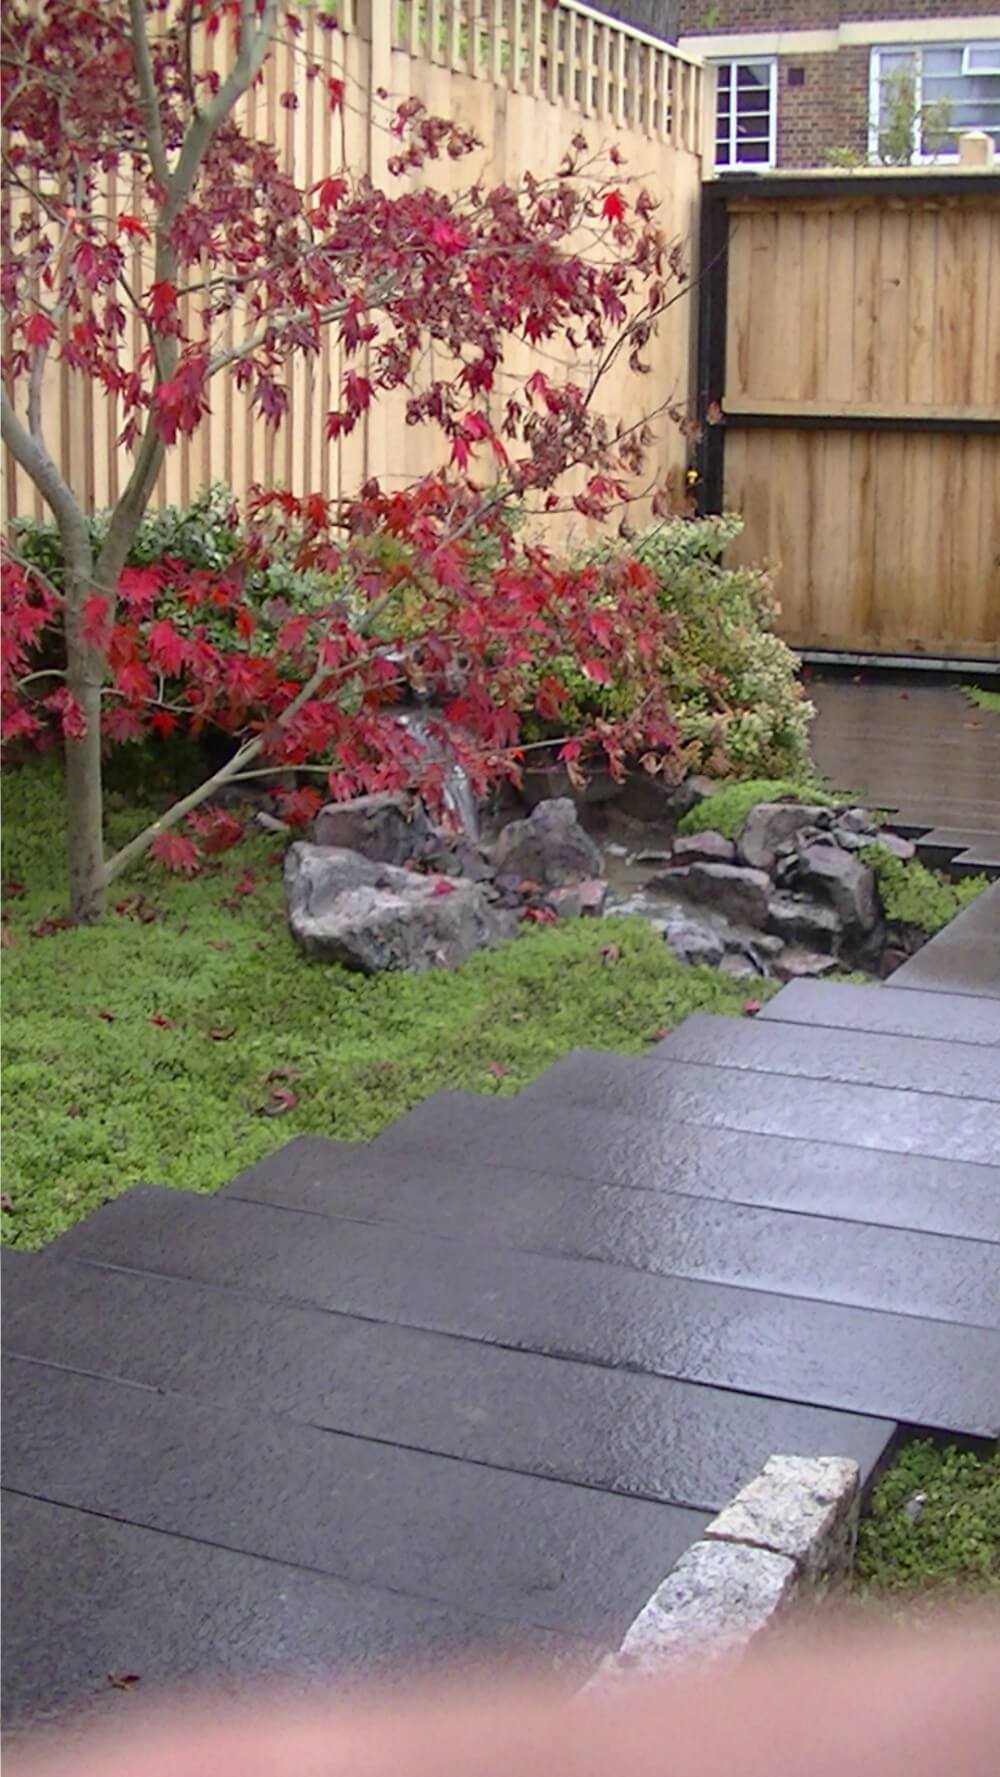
x,y
85,1597
485,1540
617,1430
774,1104
845,1005
400,1238
458,1134
891,1366
674,1234
964,957
859,1058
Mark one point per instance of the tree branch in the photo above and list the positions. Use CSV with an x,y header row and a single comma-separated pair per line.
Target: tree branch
x,y
34,459
253,49
148,97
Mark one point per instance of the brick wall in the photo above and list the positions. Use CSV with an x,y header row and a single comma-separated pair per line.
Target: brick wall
x,y
808,15
828,107
829,110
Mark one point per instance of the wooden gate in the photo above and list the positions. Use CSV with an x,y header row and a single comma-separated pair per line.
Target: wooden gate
x,y
850,331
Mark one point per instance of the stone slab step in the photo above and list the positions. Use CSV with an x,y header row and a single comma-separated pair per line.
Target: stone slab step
x,y
405,1247
485,1540
846,1005
617,1430
964,957
775,1104
971,848
674,1234
789,1347
860,1058
85,1596
486,1142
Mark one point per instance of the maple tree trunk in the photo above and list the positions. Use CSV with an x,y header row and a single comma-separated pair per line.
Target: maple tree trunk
x,y
84,784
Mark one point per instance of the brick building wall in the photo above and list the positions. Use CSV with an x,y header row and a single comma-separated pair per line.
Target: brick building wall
x,y
805,15
822,96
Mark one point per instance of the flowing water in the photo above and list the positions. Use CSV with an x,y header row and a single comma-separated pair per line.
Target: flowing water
x,y
457,793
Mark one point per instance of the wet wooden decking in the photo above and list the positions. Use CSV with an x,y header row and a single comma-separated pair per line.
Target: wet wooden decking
x,y
920,751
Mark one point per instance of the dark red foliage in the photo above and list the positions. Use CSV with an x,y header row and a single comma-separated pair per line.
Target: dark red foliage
x,y
251,271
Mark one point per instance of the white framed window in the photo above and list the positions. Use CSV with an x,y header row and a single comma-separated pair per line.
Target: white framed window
x,y
746,113
932,92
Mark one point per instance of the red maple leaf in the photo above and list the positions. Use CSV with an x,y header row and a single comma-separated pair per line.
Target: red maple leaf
x,y
176,853
38,329
168,649
613,207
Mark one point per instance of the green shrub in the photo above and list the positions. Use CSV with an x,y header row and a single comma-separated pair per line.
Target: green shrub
x,y
726,811
732,681
913,895
981,698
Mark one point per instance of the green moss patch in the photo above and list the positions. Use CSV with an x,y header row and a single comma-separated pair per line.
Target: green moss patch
x,y
981,698
726,811
152,1046
933,1523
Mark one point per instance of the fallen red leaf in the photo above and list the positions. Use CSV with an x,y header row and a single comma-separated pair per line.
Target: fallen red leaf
x,y
539,915
46,927
6,939
751,1008
123,1681
13,889
905,695
499,1068
971,724
282,1099
217,944
657,1036
163,1023
108,1017
443,887
610,953
7,1202
221,1036
245,884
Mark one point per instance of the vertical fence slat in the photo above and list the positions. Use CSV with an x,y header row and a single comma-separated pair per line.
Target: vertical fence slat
x,y
414,21
535,44
553,21
603,70
618,80
587,74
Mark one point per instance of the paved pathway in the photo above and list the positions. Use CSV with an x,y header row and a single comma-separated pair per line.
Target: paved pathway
x,y
917,748
478,1382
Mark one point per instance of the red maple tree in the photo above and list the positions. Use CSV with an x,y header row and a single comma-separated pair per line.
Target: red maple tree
x,y
94,89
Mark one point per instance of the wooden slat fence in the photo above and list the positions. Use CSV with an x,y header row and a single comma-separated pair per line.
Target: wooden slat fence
x,y
527,78
857,360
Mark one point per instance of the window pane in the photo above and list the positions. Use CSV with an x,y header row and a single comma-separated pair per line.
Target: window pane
x,y
984,56
946,99
942,61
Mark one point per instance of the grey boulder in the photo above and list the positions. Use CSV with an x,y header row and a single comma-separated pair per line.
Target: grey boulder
x,y
802,919
768,825
703,848
740,894
549,847
387,828
346,909
841,878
